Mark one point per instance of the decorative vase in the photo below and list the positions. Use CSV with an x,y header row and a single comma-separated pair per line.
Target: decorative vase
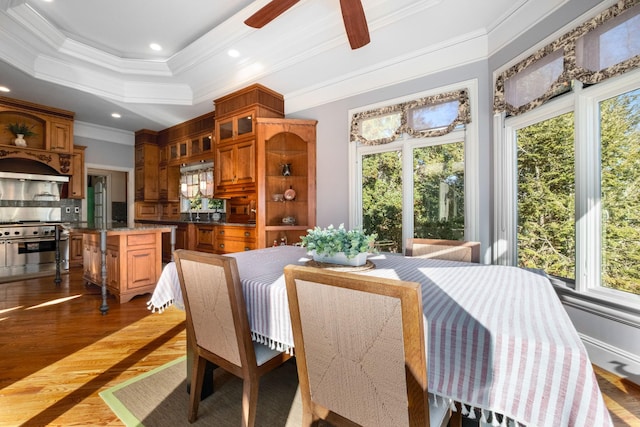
x,y
19,141
341,258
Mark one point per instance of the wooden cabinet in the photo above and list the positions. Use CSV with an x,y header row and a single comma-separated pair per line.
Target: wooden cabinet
x,y
230,238
169,183
205,238
235,127
133,260
235,168
61,136
76,251
146,169
290,142
77,180
52,142
235,155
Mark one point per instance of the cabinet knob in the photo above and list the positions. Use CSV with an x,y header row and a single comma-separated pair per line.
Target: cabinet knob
x,y
221,245
221,231
247,234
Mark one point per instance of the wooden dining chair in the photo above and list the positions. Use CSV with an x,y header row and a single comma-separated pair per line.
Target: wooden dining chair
x,y
217,319
360,349
452,250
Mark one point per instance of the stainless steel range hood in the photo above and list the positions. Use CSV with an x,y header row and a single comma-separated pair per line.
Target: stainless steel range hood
x,y
33,177
30,187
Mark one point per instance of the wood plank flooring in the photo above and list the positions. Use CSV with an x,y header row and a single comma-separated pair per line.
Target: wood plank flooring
x,y
57,352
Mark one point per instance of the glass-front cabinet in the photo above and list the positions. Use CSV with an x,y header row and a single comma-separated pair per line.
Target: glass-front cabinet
x,y
236,127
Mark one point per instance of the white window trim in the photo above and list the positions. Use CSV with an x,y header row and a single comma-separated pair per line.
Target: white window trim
x,y
584,103
471,159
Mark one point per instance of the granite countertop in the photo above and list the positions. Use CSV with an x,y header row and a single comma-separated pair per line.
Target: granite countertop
x,y
194,221
115,226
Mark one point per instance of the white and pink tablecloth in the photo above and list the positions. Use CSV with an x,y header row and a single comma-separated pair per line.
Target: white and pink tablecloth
x,y
499,339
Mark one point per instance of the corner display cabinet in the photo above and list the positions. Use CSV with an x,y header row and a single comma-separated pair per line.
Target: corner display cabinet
x,y
286,160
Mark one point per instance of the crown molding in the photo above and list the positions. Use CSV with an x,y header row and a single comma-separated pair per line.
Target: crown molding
x,y
103,133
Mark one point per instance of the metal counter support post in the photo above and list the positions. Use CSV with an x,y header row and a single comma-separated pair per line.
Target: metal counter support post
x,y
103,248
57,279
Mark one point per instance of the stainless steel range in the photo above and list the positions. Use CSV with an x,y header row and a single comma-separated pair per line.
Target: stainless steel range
x,y
31,248
29,214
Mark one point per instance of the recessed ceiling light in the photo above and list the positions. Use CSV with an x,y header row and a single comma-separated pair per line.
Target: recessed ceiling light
x,y
233,53
116,115
155,46
4,89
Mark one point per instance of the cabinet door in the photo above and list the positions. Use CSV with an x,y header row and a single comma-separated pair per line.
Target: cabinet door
x,y
205,238
225,165
245,162
60,138
76,253
76,181
163,182
141,268
113,269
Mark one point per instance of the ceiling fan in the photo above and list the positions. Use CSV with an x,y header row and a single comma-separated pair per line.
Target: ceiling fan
x,y
355,22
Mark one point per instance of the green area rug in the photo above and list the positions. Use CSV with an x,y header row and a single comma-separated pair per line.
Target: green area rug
x,y
159,398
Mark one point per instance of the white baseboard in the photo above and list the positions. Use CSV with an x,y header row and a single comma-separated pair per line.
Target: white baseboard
x,y
613,359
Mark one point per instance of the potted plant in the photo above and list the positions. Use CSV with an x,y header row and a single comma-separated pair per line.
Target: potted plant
x,y
21,131
338,245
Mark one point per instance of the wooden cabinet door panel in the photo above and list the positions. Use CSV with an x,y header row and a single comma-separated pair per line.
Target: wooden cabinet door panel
x,y
61,140
245,162
225,165
141,268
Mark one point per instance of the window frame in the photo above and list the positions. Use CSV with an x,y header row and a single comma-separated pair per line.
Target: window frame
x,y
585,103
406,144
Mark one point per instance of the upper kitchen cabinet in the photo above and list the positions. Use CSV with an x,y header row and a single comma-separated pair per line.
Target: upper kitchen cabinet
x,y
235,136
286,153
76,181
190,141
147,158
52,128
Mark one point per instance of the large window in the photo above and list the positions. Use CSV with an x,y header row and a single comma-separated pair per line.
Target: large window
x,y
576,205
409,163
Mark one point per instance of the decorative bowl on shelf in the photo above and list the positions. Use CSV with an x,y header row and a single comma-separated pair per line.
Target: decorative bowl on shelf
x,y
289,220
290,194
278,197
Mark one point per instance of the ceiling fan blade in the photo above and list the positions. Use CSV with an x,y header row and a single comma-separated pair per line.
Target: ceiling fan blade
x,y
269,12
355,23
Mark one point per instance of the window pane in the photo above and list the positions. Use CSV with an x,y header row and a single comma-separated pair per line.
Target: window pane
x,y
620,177
380,127
438,186
432,116
382,198
546,196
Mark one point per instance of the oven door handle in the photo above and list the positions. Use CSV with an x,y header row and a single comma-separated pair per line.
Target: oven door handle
x,y
38,240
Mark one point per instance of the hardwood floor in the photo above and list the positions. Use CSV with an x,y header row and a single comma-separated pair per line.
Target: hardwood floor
x,y
58,352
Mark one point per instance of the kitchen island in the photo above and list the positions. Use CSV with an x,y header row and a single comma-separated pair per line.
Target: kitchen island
x,y
124,261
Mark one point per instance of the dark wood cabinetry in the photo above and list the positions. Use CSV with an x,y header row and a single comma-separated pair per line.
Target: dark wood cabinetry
x,y
147,158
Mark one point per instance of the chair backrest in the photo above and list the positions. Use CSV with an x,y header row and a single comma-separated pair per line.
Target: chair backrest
x,y
452,250
214,304
360,346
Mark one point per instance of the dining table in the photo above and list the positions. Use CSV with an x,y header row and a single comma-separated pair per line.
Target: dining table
x,y
499,342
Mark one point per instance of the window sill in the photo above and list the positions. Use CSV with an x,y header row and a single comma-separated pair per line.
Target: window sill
x,y
604,303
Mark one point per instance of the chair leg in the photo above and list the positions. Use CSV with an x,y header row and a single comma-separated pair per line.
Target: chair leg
x,y
197,378
249,401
